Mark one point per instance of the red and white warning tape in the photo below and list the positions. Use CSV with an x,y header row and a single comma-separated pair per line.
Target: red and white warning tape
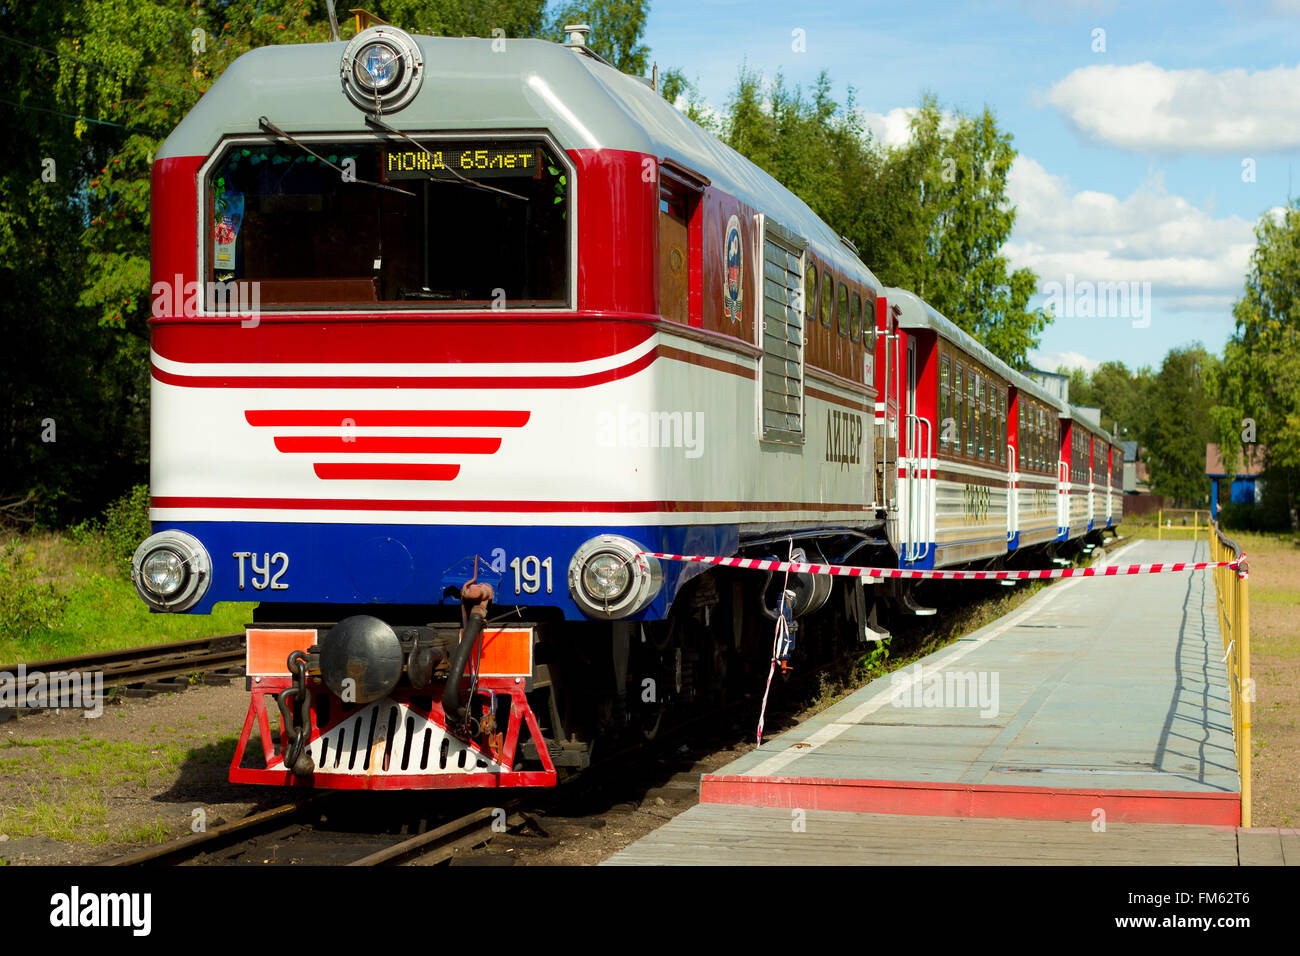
x,y
795,567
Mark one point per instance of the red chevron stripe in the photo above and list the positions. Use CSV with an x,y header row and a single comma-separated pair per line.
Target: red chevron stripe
x,y
330,444
385,472
386,418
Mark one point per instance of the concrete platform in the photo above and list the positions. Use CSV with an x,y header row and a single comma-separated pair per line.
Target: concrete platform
x,y
1101,703
1097,694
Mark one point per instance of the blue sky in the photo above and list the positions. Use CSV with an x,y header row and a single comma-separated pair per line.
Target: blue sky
x,y
1135,160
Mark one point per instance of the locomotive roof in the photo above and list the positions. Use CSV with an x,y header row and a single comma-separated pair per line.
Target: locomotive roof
x,y
531,84
916,313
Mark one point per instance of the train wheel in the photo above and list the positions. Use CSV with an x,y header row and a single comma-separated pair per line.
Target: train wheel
x,y
650,718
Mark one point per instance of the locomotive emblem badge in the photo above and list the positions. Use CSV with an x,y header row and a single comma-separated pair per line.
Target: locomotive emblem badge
x,y
732,296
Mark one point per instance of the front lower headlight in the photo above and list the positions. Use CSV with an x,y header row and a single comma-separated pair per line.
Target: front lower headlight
x,y
606,576
171,571
610,577
162,572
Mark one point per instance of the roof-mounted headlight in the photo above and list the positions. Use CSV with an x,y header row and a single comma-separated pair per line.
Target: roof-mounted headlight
x,y
382,69
378,67
171,571
610,577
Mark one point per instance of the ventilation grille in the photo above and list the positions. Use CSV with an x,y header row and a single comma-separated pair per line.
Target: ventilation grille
x,y
782,410
389,738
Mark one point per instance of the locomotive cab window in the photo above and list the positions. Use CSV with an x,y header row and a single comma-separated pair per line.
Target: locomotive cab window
x,y
675,209
828,298
810,295
470,225
959,389
945,399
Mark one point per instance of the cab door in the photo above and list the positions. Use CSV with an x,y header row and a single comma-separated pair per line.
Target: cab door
x,y
887,412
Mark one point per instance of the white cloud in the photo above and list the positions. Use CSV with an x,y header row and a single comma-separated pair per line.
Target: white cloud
x,y
1192,260
893,128
1051,361
1146,107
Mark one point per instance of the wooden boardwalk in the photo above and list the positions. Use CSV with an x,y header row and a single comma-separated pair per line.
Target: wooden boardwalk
x,y
719,835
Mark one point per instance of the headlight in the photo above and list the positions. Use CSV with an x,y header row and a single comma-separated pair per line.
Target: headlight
x,y
610,578
377,67
381,63
162,572
171,571
606,576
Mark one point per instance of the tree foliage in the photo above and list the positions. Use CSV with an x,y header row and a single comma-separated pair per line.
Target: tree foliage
x,y
1124,397
454,18
930,216
1257,385
616,30
1180,427
97,84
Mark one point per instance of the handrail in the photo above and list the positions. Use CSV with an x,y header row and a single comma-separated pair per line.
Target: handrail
x,y
1195,528
917,502
911,428
1232,596
1013,502
1062,489
927,486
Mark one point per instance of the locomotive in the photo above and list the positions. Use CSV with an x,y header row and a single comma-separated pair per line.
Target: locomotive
x,y
451,336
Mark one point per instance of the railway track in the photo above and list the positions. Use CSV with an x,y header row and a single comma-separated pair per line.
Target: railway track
x,y
416,828
136,671
340,828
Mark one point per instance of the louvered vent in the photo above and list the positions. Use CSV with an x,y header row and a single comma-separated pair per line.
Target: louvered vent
x,y
782,409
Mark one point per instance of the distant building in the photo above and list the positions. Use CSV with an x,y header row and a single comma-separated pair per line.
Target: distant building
x,y
1136,476
1090,414
1246,485
1053,383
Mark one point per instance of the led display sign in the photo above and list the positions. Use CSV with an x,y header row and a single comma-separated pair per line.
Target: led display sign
x,y
454,161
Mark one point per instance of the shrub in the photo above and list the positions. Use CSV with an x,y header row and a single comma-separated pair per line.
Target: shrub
x,y
1270,514
26,604
126,524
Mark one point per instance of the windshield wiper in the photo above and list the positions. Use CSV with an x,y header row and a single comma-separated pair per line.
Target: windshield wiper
x,y
270,127
376,121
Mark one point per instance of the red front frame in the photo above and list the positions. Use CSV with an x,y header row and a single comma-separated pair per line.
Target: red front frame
x,y
275,773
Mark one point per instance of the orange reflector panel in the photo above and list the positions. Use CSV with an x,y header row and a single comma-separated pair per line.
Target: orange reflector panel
x,y
505,652
268,649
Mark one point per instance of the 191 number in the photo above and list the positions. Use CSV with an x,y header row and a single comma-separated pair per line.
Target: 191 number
x,y
528,574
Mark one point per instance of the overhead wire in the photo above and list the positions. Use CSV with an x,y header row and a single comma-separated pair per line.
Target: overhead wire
x,y
84,119
96,65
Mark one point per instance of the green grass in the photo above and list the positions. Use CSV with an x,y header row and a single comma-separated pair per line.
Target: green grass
x,y
103,612
99,758
73,807
76,818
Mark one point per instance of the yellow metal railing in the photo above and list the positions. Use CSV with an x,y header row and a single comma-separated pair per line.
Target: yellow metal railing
x,y
1177,521
1232,592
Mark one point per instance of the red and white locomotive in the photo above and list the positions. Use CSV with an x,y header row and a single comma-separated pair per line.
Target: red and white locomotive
x,y
448,337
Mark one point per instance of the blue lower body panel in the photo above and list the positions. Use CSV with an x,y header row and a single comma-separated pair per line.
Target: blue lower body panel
x,y
306,563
